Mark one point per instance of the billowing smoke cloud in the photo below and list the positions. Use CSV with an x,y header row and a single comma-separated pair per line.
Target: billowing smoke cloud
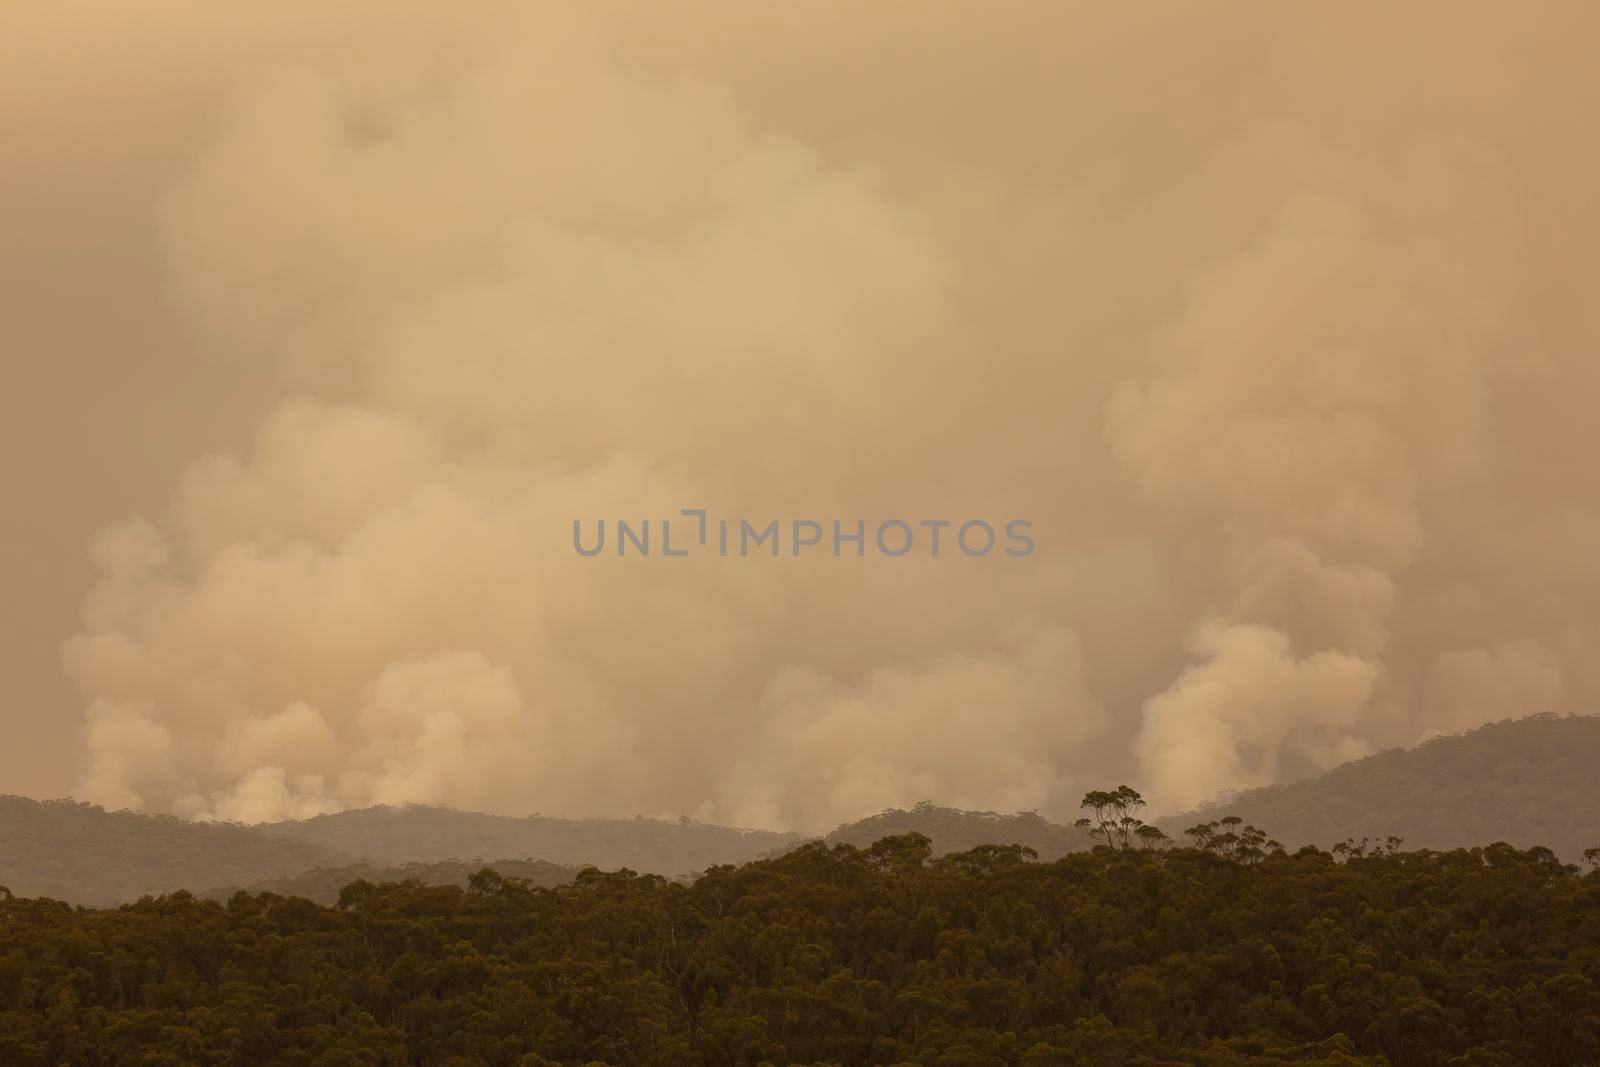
x,y
1270,320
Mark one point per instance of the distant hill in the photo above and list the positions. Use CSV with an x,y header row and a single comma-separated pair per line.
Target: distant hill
x,y
322,884
419,833
84,854
956,830
1527,782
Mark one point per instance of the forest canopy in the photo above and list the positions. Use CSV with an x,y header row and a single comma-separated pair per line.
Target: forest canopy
x,y
1226,951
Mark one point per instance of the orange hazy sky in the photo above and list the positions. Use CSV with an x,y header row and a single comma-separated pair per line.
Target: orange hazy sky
x,y
321,326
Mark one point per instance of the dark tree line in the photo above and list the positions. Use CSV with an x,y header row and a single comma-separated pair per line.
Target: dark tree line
x,y
1222,950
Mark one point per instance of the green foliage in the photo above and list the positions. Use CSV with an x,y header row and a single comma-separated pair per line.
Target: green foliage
x,y
1214,955
1527,781
1233,839
1114,821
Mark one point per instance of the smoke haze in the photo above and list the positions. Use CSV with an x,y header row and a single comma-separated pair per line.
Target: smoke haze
x,y
1272,319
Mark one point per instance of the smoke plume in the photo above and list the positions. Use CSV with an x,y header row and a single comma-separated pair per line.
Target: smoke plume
x,y
1271,319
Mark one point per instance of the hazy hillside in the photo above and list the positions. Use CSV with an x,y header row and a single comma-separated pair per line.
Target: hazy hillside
x,y
1533,781
955,830
84,854
418,833
1527,782
322,884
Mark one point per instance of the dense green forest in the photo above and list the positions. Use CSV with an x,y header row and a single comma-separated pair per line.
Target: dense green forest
x,y
1227,952
84,854
1531,781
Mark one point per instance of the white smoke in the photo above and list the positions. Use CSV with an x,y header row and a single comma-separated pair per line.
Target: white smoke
x,y
1288,370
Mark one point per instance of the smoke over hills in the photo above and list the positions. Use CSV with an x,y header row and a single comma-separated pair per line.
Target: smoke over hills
x,y
1272,320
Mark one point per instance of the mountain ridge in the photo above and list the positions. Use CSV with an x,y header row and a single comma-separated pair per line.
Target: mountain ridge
x,y
1529,782
1533,781
79,852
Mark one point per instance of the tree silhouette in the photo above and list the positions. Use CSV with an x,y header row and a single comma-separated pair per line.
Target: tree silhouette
x,y
1113,819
